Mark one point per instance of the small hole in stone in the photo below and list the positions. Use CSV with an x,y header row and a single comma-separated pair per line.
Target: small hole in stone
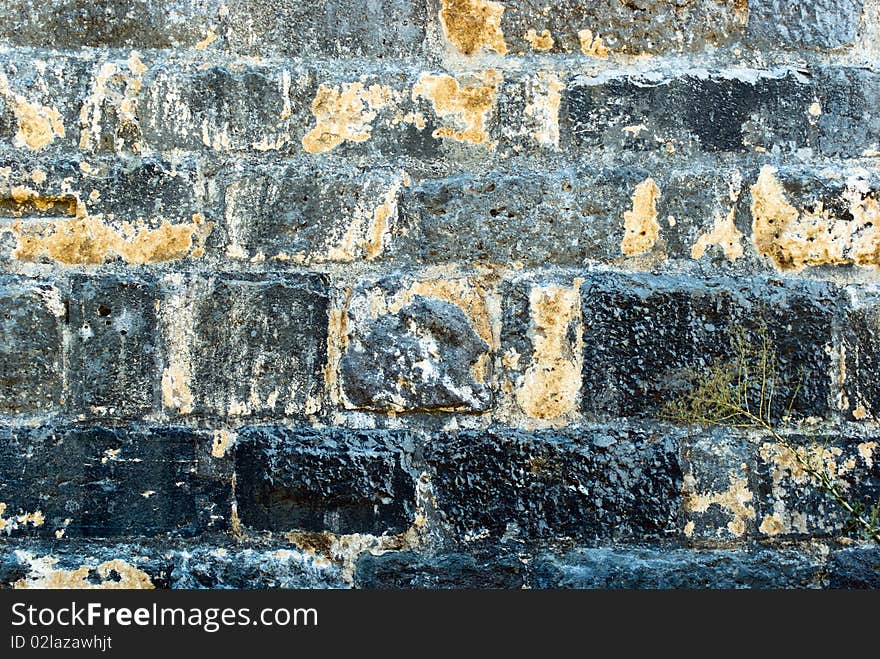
x,y
123,332
103,311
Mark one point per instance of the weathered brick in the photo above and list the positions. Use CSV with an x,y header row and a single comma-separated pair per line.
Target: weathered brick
x,y
725,111
309,214
383,29
114,363
621,26
88,212
646,339
118,23
417,345
105,482
170,563
719,494
791,503
205,567
31,320
573,216
409,570
620,568
335,480
854,568
582,483
791,24
245,344
222,107
40,100
860,389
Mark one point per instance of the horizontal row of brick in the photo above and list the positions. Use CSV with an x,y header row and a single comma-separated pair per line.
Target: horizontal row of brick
x,y
303,212
193,565
620,483
401,27
257,345
242,565
159,103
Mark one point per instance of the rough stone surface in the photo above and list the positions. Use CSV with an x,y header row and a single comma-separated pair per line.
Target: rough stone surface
x,y
652,569
339,482
719,493
582,483
94,481
114,355
646,338
791,503
395,293
854,568
31,316
168,565
726,112
419,348
408,570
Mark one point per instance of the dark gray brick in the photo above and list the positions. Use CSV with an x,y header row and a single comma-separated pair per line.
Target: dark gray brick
x,y
31,320
725,112
114,352
792,24
335,480
408,570
105,482
579,483
677,568
646,338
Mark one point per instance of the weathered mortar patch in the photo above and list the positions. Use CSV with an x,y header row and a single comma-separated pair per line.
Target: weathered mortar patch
x,y
544,92
794,239
551,383
38,125
88,240
640,225
345,113
467,104
473,25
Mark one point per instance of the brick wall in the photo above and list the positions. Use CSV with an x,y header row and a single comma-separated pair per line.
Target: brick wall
x,y
391,293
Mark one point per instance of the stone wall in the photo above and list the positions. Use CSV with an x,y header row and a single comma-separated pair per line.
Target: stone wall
x,y
392,293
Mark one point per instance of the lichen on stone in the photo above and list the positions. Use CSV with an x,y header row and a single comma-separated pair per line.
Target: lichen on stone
x,y
640,225
794,239
345,113
541,42
88,240
473,25
550,385
467,104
